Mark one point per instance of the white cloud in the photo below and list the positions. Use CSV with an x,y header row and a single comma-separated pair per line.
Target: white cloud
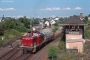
x,y
53,16
67,8
19,16
48,9
56,8
7,9
38,17
7,1
1,9
77,8
51,9
10,9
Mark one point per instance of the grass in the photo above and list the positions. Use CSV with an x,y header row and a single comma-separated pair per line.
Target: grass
x,y
87,33
63,54
9,37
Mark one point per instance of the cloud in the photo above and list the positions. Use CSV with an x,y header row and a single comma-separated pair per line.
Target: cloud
x,y
1,9
19,16
58,8
67,8
10,9
38,17
7,9
77,8
51,9
53,16
7,1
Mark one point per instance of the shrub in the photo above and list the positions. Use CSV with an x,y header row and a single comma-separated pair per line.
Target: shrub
x,y
61,45
87,34
21,28
54,29
52,52
0,42
11,33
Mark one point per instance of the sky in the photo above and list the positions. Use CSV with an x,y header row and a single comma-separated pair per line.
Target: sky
x,y
44,8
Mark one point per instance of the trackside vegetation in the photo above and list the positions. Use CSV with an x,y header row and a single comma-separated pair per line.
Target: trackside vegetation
x,y
64,54
12,29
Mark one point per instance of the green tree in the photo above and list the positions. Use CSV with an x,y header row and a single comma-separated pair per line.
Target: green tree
x,y
86,19
61,45
9,24
61,20
21,28
52,52
36,21
55,27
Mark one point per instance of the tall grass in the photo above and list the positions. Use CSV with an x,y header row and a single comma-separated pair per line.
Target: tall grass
x,y
10,36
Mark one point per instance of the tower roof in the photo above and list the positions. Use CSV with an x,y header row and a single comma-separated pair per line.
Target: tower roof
x,y
74,20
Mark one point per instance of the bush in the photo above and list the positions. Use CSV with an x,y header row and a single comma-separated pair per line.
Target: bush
x,y
61,45
11,33
55,29
21,28
56,24
0,42
52,52
87,34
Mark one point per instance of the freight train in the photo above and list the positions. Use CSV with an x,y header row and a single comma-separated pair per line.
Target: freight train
x,y
35,39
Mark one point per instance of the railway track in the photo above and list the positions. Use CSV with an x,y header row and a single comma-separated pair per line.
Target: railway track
x,y
39,53
23,57
9,54
15,53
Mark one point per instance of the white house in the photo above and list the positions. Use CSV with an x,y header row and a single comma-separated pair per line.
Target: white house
x,y
47,23
56,18
41,21
0,19
89,17
52,22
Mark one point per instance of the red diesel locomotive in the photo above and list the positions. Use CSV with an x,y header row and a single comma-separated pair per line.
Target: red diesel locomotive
x,y
35,39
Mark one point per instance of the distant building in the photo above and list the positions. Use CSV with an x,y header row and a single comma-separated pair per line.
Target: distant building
x,y
4,18
7,18
41,23
56,18
81,16
52,22
47,23
0,19
89,17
